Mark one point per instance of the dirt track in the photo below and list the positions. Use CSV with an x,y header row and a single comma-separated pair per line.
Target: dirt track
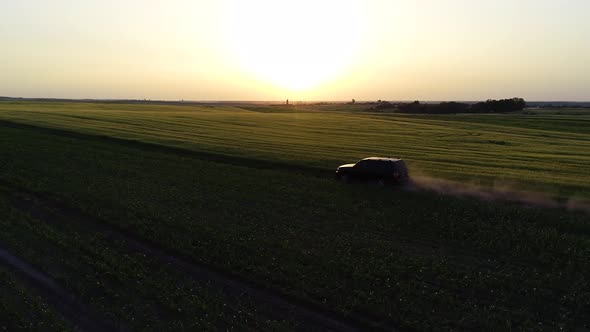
x,y
72,310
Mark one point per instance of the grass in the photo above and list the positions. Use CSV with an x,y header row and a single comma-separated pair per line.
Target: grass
x,y
415,260
534,150
128,288
23,310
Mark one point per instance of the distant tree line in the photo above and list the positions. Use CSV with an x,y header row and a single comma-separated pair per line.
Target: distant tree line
x,y
496,106
489,106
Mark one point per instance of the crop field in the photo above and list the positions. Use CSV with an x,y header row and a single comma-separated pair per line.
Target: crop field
x,y
230,219
545,151
22,310
127,287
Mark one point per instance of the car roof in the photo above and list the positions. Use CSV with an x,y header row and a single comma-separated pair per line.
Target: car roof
x,y
383,159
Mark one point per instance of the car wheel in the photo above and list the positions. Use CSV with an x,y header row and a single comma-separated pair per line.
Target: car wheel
x,y
345,178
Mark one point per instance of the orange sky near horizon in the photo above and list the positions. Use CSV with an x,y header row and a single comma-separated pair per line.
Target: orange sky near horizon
x,y
302,50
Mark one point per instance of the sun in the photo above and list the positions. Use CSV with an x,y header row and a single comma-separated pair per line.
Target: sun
x,y
295,45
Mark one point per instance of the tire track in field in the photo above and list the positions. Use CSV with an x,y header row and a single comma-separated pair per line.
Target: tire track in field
x,y
276,305
70,308
154,147
47,209
419,183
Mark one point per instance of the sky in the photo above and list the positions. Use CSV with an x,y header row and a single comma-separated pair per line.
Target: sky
x,y
296,49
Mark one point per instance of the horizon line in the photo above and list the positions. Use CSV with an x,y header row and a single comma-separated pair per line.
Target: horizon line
x,y
145,100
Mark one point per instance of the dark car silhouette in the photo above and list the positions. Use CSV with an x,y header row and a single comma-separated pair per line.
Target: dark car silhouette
x,y
381,170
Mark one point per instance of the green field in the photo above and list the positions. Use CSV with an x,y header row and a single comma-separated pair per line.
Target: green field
x,y
21,310
546,151
248,191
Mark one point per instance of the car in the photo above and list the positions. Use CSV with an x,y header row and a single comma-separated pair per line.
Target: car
x,y
378,169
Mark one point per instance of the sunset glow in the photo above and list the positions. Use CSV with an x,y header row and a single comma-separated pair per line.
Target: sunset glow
x,y
272,50
298,45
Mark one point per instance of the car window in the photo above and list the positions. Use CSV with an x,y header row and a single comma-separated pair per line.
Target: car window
x,y
377,166
372,165
389,167
361,164
380,166
367,165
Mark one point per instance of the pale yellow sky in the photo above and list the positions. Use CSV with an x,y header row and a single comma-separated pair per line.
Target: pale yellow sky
x,y
302,50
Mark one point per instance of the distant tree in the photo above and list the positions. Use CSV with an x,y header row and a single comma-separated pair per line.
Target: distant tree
x,y
414,107
499,106
489,106
383,105
450,108
519,103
